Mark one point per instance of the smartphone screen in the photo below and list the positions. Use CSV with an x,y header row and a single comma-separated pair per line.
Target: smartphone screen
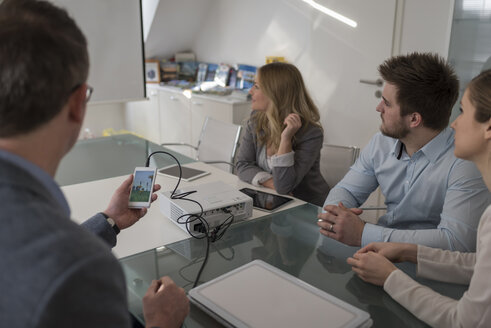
x,y
142,187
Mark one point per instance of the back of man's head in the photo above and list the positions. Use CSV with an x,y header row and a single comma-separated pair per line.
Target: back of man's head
x,y
426,84
43,59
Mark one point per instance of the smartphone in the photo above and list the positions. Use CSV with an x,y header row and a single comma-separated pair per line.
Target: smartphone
x,y
264,200
142,187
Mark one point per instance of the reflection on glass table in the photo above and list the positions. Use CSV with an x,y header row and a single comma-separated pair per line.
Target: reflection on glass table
x,y
288,240
108,157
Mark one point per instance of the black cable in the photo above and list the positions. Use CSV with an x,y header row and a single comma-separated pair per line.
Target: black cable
x,y
207,253
190,264
211,236
147,164
199,259
219,231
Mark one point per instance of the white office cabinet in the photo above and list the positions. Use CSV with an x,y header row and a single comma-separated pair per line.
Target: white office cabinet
x,y
142,117
226,110
168,116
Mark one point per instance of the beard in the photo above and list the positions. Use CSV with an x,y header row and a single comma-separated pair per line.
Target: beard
x,y
399,131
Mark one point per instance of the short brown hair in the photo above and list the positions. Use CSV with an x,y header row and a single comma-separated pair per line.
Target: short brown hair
x,y
480,95
43,58
425,84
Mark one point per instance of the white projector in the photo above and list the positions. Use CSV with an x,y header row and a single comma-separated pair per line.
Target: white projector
x,y
218,199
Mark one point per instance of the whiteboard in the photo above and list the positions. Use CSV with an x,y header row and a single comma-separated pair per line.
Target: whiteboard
x,y
113,29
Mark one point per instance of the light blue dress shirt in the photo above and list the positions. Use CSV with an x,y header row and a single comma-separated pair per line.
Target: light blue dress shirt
x,y
432,198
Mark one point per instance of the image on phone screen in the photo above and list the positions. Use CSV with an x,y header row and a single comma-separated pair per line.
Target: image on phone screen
x,y
141,189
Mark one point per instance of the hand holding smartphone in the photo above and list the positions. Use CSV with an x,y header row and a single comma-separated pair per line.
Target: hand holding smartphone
x,y
142,187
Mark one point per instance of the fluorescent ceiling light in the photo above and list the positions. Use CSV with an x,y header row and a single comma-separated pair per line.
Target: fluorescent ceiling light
x,y
332,13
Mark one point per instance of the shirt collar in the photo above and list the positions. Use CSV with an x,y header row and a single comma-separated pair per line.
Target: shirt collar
x,y
438,145
434,148
396,148
44,178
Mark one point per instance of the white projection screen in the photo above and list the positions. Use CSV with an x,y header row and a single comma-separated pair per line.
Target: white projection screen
x,y
113,29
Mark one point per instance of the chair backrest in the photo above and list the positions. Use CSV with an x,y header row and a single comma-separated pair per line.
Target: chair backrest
x,y
218,142
336,161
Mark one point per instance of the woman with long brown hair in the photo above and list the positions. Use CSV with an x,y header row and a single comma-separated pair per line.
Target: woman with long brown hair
x,y
281,146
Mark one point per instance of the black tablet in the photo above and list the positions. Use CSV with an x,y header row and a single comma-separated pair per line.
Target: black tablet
x,y
264,200
188,174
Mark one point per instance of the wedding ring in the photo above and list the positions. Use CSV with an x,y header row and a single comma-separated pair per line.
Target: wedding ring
x,y
331,228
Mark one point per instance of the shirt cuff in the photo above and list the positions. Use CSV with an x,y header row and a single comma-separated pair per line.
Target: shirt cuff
x,y
260,177
283,160
371,233
99,226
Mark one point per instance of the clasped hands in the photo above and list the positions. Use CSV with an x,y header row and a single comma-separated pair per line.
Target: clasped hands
x,y
374,262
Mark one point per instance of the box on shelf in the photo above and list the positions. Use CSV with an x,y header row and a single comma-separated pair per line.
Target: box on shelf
x,y
245,76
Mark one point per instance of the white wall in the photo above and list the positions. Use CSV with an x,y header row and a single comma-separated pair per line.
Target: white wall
x,y
149,8
175,26
234,31
331,56
426,26
237,32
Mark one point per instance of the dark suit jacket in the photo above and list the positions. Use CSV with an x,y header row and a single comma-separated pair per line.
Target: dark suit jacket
x,y
54,273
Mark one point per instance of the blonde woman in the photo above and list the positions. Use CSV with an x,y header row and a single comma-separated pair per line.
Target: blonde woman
x,y
281,145
373,262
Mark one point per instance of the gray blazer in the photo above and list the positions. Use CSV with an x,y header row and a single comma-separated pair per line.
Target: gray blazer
x,y
54,272
303,179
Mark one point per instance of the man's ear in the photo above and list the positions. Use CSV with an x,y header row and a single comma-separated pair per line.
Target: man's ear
x,y
415,120
76,105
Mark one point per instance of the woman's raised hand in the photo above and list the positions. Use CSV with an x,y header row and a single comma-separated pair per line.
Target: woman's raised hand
x,y
293,123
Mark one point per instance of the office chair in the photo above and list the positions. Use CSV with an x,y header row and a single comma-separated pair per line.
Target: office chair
x,y
336,161
217,144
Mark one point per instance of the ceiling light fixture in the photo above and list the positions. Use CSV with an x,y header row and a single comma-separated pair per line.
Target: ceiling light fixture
x,y
332,13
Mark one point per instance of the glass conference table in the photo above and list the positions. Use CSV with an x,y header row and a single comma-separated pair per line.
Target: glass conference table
x,y
289,240
107,157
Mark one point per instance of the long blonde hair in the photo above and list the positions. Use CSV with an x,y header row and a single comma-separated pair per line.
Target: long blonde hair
x,y
283,85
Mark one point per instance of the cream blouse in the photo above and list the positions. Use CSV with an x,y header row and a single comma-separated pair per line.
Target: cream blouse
x,y
474,308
